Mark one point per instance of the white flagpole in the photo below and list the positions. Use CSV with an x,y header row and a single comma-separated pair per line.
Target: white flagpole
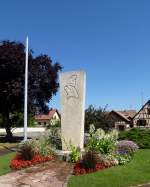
x,y
26,93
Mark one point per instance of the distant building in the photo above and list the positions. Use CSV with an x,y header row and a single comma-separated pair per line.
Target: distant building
x,y
122,119
45,119
142,117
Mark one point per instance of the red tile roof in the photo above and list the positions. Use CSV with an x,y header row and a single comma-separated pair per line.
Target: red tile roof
x,y
121,115
128,113
46,117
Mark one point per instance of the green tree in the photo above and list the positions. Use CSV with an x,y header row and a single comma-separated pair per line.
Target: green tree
x,y
99,117
43,82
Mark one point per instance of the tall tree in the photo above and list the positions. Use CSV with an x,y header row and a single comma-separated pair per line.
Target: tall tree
x,y
98,117
43,81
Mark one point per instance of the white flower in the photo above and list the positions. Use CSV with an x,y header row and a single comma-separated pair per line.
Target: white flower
x,y
100,134
92,129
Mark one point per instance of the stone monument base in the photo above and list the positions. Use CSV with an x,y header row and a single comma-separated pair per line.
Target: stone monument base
x,y
62,155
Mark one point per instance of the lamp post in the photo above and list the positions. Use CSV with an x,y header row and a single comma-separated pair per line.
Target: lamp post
x,y
26,93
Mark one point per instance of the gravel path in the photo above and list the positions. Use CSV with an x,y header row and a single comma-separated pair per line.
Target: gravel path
x,y
50,174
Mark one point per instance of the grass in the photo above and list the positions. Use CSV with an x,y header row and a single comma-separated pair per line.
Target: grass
x,y
4,163
135,172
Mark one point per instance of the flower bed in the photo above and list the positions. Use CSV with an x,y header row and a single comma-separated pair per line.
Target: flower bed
x,y
18,163
103,151
80,170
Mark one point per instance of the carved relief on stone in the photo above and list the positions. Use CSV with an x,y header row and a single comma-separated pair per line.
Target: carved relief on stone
x,y
70,88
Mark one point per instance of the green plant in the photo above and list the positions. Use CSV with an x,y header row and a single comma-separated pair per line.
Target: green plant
x,y
123,159
102,142
54,134
75,153
140,136
44,146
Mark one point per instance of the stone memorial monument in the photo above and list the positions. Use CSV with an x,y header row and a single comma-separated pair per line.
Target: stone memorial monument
x,y
72,93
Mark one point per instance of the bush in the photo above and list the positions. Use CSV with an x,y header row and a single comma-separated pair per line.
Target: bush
x,y
75,153
102,142
140,136
54,134
126,147
44,146
89,160
123,159
26,150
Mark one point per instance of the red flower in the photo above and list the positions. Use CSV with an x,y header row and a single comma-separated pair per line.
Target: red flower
x,y
18,163
78,170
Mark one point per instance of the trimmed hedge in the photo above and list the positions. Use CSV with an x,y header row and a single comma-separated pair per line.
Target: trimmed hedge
x,y
137,135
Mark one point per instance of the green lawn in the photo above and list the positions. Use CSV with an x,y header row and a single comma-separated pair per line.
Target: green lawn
x,y
4,163
135,172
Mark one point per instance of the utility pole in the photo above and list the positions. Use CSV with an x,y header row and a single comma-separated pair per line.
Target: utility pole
x,y
26,93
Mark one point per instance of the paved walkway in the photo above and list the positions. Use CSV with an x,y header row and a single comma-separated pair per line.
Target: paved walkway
x,y
144,185
50,174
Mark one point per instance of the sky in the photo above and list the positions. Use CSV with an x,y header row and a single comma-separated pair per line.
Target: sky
x,y
109,39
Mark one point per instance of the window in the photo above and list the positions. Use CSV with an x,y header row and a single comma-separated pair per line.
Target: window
x,y
121,127
148,110
141,123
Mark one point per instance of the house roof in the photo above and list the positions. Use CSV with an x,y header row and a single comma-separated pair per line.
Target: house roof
x,y
46,116
128,113
148,102
123,117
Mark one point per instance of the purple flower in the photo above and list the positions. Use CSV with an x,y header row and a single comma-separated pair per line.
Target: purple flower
x,y
126,147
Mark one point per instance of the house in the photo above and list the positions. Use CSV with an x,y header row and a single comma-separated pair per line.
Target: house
x,y
122,119
45,119
142,118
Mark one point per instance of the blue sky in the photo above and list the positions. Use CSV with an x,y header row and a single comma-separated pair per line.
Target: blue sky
x,y
109,39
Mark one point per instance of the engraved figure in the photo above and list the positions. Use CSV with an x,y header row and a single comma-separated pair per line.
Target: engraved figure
x,y
70,88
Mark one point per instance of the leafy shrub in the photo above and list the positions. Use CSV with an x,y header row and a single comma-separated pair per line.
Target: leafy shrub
x,y
75,153
54,134
44,146
102,142
26,150
126,147
123,159
140,136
